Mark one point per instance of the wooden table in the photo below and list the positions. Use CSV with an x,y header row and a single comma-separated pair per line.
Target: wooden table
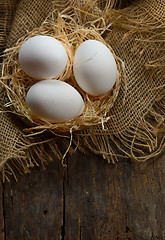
x,y
88,200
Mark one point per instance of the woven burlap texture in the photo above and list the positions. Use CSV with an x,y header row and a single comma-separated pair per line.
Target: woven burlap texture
x,y
135,129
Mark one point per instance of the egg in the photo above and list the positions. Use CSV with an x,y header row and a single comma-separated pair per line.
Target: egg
x,y
94,68
42,57
54,101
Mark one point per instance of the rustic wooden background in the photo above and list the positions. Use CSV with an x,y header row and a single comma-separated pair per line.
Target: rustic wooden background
x,y
90,200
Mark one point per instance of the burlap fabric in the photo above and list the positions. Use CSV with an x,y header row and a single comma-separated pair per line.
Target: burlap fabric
x,y
135,129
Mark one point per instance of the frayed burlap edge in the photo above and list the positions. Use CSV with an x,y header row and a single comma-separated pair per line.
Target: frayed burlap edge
x,y
144,138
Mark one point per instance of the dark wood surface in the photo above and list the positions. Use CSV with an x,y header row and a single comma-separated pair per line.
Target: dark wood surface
x,y
91,199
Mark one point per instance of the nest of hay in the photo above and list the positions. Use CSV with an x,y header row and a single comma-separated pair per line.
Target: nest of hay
x,y
17,83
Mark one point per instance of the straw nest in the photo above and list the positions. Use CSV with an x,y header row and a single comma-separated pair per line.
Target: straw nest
x,y
17,83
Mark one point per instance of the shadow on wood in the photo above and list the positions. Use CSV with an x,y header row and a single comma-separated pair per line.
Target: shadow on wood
x,y
90,199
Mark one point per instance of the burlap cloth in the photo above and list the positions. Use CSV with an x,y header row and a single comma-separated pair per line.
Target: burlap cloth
x,y
136,126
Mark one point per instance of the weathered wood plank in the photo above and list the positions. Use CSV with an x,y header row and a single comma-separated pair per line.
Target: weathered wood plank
x,y
33,206
91,199
1,213
125,201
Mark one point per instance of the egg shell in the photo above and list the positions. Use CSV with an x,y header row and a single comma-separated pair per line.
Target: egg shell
x,y
94,67
54,101
42,57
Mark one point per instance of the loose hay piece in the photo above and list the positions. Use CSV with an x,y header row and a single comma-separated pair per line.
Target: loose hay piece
x,y
17,83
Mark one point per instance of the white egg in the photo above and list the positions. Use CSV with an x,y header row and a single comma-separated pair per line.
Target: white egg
x,y
42,57
54,101
94,67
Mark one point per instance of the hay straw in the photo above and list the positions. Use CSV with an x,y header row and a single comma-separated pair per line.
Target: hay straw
x,y
17,83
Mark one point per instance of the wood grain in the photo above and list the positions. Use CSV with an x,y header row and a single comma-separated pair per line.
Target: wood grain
x,y
33,206
2,230
91,199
